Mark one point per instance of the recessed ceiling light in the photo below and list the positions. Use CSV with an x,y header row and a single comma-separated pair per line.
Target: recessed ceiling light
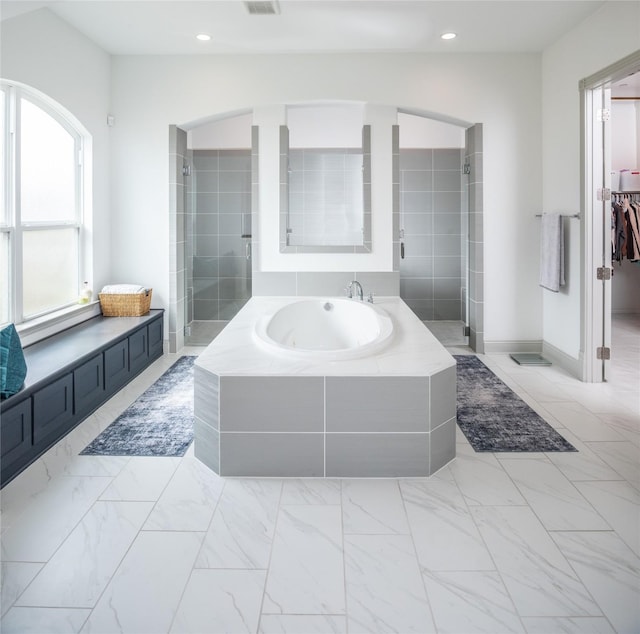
x,y
449,36
203,37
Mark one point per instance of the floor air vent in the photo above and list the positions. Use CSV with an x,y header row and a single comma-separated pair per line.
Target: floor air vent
x,y
262,7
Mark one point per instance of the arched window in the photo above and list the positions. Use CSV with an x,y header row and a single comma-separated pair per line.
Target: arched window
x,y
41,220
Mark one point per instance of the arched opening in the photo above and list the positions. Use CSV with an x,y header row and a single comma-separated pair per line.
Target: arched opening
x,y
461,266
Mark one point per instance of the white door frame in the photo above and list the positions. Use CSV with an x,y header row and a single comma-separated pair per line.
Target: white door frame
x,y
596,174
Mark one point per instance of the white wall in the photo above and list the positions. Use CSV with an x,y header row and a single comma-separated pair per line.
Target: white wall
x,y
501,91
610,34
42,51
232,133
148,93
419,132
326,125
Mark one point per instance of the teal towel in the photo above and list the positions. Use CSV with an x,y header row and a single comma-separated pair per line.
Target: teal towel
x,y
13,368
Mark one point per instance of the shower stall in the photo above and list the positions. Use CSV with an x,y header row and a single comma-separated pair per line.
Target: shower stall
x,y
217,226
434,225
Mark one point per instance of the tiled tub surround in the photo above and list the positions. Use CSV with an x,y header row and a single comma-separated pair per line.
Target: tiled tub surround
x,y
388,415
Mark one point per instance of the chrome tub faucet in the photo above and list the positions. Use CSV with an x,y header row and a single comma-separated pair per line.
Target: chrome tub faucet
x,y
355,284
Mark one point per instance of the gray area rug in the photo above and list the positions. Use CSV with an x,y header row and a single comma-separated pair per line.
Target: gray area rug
x,y
158,423
494,418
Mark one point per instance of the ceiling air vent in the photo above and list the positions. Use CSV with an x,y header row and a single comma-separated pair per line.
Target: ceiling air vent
x,y
262,7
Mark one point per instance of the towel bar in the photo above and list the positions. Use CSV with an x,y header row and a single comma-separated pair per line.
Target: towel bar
x,y
564,216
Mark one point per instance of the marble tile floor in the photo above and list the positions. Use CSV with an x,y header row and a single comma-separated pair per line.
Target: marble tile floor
x,y
537,543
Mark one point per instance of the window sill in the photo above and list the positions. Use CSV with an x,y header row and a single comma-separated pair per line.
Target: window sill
x,y
37,329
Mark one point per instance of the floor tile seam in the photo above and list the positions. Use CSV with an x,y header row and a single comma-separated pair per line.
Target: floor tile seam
x,y
506,506
375,534
157,500
510,479
311,504
513,611
58,547
620,479
268,569
369,515
578,492
417,560
172,530
477,527
332,614
228,568
184,588
575,572
578,530
80,609
344,559
568,563
634,483
49,479
64,541
117,568
53,607
206,532
609,442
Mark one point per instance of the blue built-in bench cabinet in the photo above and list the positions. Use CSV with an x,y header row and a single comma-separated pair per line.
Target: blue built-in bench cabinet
x,y
69,375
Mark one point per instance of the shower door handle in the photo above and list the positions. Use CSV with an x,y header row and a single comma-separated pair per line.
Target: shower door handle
x,y
402,250
247,250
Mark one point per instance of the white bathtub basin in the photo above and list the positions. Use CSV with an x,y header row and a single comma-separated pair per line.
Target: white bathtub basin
x,y
319,328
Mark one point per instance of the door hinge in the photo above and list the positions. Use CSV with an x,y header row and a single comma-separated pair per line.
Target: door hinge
x,y
603,114
603,273
603,194
604,354
466,168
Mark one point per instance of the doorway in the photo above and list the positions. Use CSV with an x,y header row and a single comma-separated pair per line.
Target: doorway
x,y
611,306
440,226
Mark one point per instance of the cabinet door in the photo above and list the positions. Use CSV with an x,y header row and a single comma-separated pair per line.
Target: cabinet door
x,y
88,385
15,433
16,440
116,366
138,350
155,338
53,410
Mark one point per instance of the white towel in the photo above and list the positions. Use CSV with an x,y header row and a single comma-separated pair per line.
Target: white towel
x,y
123,289
552,252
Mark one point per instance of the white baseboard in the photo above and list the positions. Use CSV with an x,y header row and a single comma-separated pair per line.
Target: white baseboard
x,y
505,347
572,365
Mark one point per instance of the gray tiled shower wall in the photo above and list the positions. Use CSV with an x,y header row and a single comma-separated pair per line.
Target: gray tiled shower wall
x,y
221,232
432,272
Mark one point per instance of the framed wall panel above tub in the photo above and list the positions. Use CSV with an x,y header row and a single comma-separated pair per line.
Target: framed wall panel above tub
x,y
325,197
